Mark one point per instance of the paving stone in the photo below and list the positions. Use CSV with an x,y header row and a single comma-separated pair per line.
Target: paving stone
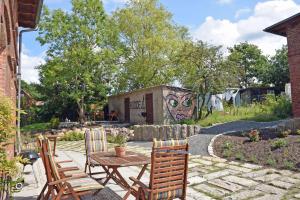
x,y
234,163
269,197
270,189
243,195
290,180
211,190
221,165
226,185
241,181
258,173
251,166
211,168
239,168
216,174
296,176
285,172
196,195
192,174
204,162
196,180
214,159
191,165
281,184
267,178
297,196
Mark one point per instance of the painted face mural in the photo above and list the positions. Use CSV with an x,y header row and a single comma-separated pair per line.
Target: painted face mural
x,y
181,105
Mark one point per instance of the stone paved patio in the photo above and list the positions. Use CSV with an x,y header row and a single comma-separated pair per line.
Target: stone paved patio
x,y
210,178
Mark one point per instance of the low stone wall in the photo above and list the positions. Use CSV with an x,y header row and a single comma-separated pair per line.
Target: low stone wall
x,y
290,124
164,132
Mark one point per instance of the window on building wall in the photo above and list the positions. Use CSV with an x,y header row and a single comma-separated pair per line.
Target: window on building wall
x,y
2,34
7,25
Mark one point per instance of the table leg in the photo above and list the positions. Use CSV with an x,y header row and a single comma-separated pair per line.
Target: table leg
x,y
138,177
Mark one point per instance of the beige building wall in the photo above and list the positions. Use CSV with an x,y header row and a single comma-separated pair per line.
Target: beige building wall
x,y
138,105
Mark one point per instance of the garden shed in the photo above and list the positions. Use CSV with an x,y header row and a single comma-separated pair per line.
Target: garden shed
x,y
154,105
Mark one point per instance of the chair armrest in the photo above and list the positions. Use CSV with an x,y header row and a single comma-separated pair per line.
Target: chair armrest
x,y
140,183
67,169
78,176
64,161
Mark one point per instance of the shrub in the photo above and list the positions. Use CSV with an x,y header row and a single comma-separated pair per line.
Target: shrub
x,y
54,122
187,122
72,136
254,135
227,153
239,156
298,132
227,145
288,164
253,159
279,143
280,106
285,133
271,162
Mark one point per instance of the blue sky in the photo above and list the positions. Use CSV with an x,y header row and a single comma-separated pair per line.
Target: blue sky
x,y
220,22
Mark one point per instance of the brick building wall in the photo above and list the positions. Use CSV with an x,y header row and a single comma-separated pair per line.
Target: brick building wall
x,y
8,52
293,38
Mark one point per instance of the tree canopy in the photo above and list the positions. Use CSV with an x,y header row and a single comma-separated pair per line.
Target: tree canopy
x,y
78,68
150,40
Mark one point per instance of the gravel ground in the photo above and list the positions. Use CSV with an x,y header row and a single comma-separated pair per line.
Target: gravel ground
x,y
199,143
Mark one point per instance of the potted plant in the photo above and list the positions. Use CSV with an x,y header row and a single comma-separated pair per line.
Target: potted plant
x,y
120,148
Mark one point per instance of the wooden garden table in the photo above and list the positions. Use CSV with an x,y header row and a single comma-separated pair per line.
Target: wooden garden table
x,y
109,160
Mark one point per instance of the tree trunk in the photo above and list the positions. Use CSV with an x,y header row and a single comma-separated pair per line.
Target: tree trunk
x,y
201,106
209,109
81,113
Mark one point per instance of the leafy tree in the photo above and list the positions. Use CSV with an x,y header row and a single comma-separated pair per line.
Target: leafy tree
x,y
80,55
248,61
150,41
203,69
277,72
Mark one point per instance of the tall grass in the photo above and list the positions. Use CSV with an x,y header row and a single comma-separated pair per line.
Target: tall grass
x,y
273,108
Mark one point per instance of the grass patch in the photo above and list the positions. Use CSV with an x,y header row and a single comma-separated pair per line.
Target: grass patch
x,y
272,109
35,127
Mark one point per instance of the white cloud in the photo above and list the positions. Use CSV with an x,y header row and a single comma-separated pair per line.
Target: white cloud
x,y
29,64
224,1
242,12
227,33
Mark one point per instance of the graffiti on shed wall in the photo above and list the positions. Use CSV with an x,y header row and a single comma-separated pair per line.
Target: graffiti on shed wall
x,y
181,105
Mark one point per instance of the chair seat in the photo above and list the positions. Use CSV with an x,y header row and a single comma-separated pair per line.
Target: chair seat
x,y
166,195
85,184
72,172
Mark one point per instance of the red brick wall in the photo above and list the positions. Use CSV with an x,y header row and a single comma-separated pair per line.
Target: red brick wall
x,y
293,35
8,51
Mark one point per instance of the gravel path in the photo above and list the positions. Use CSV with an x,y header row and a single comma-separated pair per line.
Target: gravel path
x,y
199,143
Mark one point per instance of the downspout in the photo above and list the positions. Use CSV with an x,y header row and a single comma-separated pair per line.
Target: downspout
x,y
19,76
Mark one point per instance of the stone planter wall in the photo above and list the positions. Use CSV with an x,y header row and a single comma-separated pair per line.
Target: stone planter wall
x,y
164,132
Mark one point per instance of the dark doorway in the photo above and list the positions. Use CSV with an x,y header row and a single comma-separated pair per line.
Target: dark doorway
x,y
149,108
127,109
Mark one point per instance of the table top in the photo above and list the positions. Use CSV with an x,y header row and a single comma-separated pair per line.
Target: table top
x,y
130,159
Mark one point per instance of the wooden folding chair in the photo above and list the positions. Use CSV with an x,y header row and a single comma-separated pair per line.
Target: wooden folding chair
x,y
65,187
168,177
95,141
66,171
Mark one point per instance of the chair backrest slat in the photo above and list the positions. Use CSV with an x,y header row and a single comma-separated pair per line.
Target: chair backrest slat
x,y
95,140
169,162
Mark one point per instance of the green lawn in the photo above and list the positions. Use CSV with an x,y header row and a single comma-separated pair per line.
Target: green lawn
x,y
35,127
249,114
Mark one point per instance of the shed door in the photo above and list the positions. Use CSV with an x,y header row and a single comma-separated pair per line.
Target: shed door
x,y
149,108
127,109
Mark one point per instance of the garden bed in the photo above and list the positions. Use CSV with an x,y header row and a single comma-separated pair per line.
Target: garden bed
x,y
271,150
